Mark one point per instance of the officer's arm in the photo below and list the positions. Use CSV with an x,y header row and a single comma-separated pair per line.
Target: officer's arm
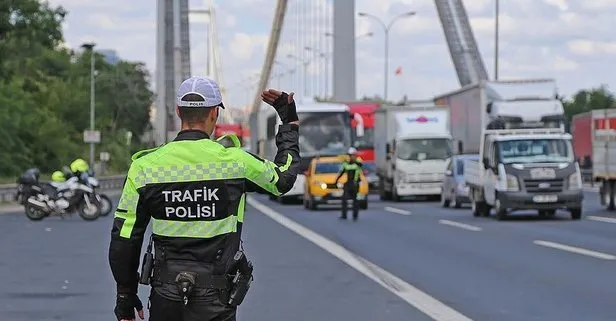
x,y
276,177
129,225
341,172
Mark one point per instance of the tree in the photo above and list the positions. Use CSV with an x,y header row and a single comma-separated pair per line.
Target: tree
x,y
589,99
45,94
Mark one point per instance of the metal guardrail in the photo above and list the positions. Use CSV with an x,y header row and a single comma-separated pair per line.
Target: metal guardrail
x,y
8,191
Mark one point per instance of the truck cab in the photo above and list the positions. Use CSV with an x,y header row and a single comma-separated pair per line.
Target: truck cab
x,y
526,161
413,146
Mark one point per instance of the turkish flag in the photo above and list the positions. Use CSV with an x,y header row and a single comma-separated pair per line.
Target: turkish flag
x,y
398,71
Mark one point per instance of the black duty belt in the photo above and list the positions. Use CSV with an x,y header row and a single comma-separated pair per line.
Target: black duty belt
x,y
203,281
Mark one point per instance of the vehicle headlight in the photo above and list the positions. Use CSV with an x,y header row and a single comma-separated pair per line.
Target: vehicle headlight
x,y
512,183
322,185
575,181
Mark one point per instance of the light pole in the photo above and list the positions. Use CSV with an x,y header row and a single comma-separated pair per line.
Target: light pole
x,y
317,54
386,29
280,74
327,55
90,47
496,31
305,63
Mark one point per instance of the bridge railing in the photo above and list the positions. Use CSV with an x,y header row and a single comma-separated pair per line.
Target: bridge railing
x,y
8,191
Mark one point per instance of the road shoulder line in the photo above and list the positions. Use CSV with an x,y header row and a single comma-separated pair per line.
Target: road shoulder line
x,y
415,297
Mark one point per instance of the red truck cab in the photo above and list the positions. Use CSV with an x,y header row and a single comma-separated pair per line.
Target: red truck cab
x,y
364,112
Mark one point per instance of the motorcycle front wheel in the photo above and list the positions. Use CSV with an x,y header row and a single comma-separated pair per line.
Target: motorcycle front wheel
x,y
89,213
105,204
34,213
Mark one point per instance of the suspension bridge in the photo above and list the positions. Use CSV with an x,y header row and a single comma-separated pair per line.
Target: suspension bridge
x,y
311,49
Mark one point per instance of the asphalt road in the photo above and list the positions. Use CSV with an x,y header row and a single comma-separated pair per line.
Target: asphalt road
x,y
401,261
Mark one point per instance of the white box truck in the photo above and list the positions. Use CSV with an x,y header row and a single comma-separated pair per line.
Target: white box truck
x,y
412,145
526,158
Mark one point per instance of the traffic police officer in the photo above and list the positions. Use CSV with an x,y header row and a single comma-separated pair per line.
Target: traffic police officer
x,y
352,168
193,190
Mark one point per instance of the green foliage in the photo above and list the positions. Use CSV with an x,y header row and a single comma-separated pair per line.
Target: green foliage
x,y
587,100
45,95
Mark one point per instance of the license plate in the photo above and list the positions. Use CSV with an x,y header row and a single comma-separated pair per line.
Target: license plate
x,y
545,198
337,194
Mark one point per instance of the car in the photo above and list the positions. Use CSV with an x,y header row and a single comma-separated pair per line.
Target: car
x,y
454,192
371,176
321,187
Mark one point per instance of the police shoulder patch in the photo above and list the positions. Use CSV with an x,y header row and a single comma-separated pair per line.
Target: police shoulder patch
x,y
229,140
143,152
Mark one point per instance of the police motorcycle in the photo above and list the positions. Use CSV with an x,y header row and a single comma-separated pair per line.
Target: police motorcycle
x,y
42,199
103,200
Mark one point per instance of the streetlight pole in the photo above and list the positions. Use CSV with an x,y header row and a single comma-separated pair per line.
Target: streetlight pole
x,y
386,29
305,63
90,48
496,32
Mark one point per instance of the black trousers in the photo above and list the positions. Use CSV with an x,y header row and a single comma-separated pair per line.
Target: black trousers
x,y
209,308
350,193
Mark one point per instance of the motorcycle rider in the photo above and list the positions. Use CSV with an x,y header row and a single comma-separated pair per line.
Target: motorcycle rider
x,y
193,190
353,169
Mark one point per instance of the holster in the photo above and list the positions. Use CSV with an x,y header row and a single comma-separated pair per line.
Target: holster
x,y
177,279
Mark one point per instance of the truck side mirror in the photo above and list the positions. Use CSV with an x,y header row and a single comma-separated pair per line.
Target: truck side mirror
x,y
387,148
359,128
486,163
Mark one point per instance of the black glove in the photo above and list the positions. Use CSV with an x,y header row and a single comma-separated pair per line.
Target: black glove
x,y
285,110
126,305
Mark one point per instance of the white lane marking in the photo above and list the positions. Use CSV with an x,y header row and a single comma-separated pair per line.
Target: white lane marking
x,y
576,250
435,309
602,219
397,210
460,225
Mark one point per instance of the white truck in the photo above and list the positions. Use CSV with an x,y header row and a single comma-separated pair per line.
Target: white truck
x,y
594,141
412,144
526,159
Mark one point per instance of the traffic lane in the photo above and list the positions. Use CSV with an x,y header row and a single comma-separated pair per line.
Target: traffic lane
x,y
55,269
487,276
58,270
297,280
587,233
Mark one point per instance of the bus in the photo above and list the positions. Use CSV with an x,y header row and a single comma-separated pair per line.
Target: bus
x,y
325,130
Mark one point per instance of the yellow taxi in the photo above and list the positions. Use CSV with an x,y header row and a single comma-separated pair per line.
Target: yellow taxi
x,y
321,187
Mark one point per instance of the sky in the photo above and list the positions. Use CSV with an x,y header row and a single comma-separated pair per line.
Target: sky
x,y
570,41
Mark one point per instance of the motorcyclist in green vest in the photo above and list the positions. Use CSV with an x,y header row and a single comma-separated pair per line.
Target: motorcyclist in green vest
x,y
352,168
193,190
